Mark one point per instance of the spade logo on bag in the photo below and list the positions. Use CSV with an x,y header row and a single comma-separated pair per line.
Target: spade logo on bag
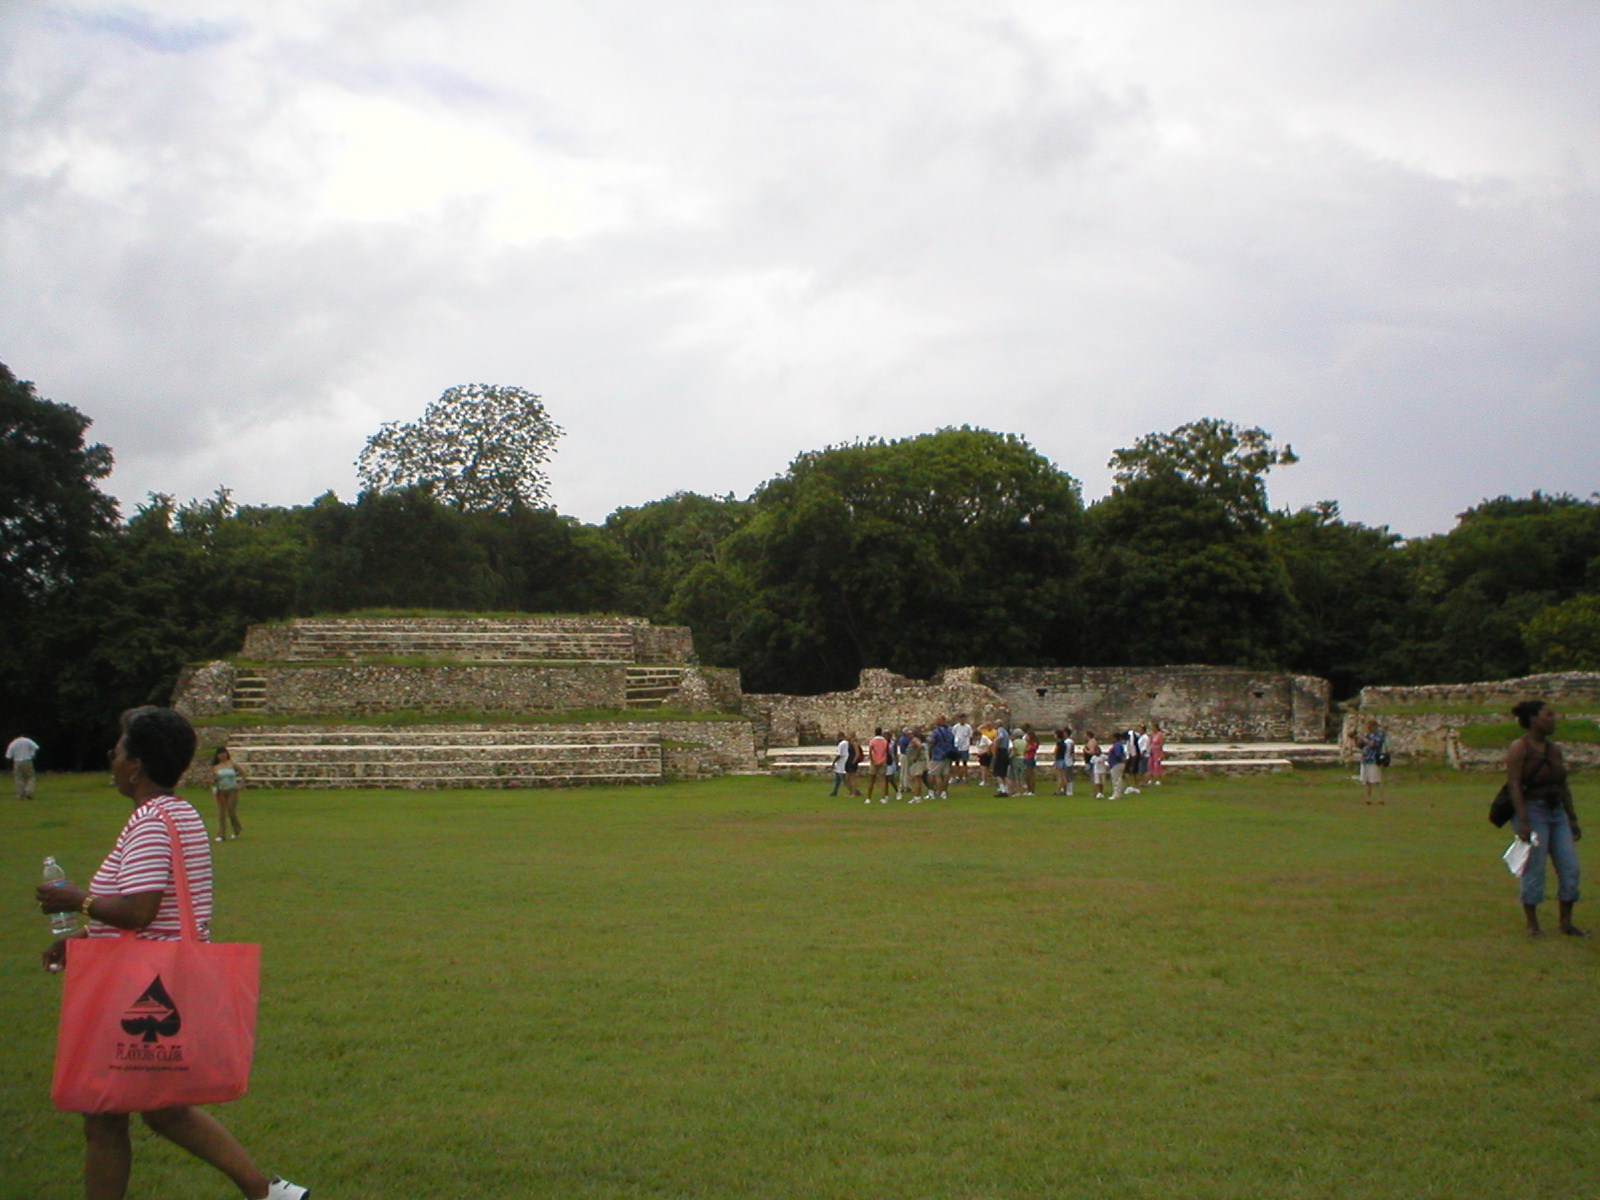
x,y
153,1015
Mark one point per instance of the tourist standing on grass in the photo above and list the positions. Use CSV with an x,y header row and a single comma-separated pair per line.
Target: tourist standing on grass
x,y
844,761
21,752
962,732
1158,748
1016,776
135,889
878,765
913,768
1000,758
983,751
225,789
1064,751
1371,744
941,757
1092,762
1030,758
1117,763
1536,772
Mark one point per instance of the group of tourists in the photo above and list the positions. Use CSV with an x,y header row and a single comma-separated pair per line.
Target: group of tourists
x,y
915,766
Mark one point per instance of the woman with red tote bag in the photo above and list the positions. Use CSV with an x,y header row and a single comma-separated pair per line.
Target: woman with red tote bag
x,y
154,1017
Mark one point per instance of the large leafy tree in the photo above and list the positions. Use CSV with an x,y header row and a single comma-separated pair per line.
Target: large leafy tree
x,y
1177,565
1216,457
405,549
53,519
1565,636
52,511
933,551
479,448
1354,606
1481,584
665,541
177,584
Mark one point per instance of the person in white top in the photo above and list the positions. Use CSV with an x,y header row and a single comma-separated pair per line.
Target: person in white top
x,y
963,735
21,752
134,890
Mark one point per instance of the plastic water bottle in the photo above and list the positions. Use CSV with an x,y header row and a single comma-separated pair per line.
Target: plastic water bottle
x,y
64,923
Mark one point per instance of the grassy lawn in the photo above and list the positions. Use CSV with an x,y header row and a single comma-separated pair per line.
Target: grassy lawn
x,y
743,989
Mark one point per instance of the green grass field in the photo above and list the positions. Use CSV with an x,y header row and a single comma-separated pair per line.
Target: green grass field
x,y
743,989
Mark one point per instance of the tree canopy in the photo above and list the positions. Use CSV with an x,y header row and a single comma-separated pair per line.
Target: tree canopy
x,y
479,448
51,506
1217,459
947,548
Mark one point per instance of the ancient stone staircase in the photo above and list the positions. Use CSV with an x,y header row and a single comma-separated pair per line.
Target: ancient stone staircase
x,y
650,687
441,756
249,692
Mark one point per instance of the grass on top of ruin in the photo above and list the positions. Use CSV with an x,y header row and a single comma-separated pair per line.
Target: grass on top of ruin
x,y
1502,734
1227,988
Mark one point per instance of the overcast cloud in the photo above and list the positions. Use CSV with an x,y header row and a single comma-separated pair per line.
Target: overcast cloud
x,y
716,235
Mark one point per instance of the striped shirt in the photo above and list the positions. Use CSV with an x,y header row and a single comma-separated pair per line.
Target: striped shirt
x,y
141,861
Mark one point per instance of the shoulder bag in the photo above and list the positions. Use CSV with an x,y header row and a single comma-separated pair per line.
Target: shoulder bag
x,y
151,1024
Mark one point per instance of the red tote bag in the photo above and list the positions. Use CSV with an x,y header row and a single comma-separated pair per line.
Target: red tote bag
x,y
148,1024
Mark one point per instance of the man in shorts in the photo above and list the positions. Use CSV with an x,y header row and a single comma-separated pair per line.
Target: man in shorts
x,y
941,753
962,732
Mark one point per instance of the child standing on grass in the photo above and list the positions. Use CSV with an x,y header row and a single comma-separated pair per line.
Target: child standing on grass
x,y
225,789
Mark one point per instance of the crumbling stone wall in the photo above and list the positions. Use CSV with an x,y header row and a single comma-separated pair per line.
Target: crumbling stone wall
x,y
708,689
1425,721
266,643
698,749
882,698
1192,703
205,690
666,645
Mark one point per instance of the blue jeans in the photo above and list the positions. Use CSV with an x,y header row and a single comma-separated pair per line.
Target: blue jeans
x,y
1549,821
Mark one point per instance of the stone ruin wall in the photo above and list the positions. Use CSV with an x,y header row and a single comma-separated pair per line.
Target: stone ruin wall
x,y
1415,731
882,698
666,645
699,749
332,689
356,689
1191,703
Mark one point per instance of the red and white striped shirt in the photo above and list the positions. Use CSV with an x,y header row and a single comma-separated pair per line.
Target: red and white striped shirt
x,y
141,861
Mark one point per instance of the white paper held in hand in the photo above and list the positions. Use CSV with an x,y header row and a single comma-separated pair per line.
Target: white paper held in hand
x,y
1516,855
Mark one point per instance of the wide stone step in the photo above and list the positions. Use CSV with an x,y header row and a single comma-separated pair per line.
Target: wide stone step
x,y
443,757
431,735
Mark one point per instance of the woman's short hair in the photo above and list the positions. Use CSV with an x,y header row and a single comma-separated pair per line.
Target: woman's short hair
x,y
1527,711
162,740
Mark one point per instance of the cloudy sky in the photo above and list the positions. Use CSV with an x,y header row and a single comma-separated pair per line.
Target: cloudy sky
x,y
714,235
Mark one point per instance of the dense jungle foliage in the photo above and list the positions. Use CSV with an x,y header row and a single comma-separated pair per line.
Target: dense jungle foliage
x,y
957,547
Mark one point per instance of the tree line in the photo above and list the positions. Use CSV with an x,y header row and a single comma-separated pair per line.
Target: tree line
x,y
960,546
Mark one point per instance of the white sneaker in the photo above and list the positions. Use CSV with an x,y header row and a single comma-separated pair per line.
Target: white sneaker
x,y
282,1189
882,800
1130,791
